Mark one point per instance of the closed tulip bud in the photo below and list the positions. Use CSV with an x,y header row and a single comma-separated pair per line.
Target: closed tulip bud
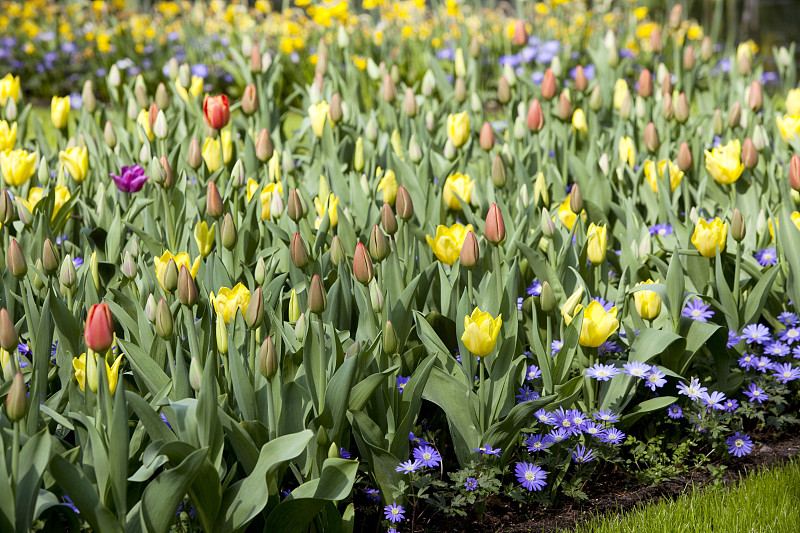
x,y
362,265
16,260
474,47
503,90
459,91
254,316
187,289
221,335
171,276
735,115
410,103
626,107
498,172
129,266
596,242
268,359
651,141
98,331
519,37
249,100
596,98
581,83
755,98
160,126
195,158
794,172
535,118
140,92
388,219
256,63
375,296
17,399
470,252
8,333
575,199
684,157
681,108
228,232
749,154
784,58
213,201
655,41
109,136
297,251
738,226
317,301
388,89
49,257
487,137
519,129
264,148
87,97
390,340
11,110
371,129
295,207
7,210
403,204
568,309
150,309
428,83
378,247
706,48
688,57
67,274
564,107
414,150
744,61
495,226
449,150
132,109
547,224
717,123
162,96
645,84
430,121
675,16
195,374
38,282
549,85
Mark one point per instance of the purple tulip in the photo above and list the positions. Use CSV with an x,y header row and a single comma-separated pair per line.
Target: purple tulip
x,y
132,179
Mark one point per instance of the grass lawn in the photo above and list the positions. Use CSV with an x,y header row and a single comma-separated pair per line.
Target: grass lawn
x,y
768,501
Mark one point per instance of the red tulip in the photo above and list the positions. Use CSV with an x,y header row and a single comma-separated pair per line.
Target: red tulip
x,y
99,329
216,111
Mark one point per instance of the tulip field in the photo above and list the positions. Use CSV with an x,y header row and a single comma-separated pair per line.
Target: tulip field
x,y
376,266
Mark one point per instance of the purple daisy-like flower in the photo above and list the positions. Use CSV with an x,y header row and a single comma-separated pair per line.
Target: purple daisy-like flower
x,y
790,335
785,372
556,346
530,476
537,443
674,411
401,382
526,394
583,455
733,338
608,417
636,369
697,310
730,405
544,417
747,361
164,419
532,373
655,378
131,179
714,400
608,347
470,484
373,494
394,513
756,333
344,454
796,352
660,230
787,318
739,444
558,435
535,288
777,349
487,450
408,467
763,364
766,257
756,394
602,372
612,436
428,456
419,441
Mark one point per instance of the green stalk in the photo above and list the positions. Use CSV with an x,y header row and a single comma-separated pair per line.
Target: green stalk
x,y
170,359
170,223
481,400
496,261
272,427
469,288
737,270
322,366
15,457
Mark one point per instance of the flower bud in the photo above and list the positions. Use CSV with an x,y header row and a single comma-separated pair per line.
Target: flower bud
x,y
337,251
228,232
568,309
17,399
759,137
388,219
109,136
428,83
98,331
794,172
249,100
160,126
626,107
378,247
7,210
547,299
681,108
684,157
403,204
171,276
706,48
390,341
140,92
430,121
717,124
596,98
738,226
8,333
297,251
487,137
575,199
474,47
645,84
459,91
268,359
49,257
735,115
656,43
749,154
547,224
213,201
150,309
651,141
755,97
195,374
16,260
503,90
317,301
688,58
535,118
388,89
194,158
264,148
295,207
67,275
187,289
375,296
498,172
11,110
495,226
519,129
410,103
221,335
549,85
564,107
470,251
254,316
362,265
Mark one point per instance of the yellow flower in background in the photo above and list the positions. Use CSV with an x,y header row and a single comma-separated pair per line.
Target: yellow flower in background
x,y
653,173
579,121
204,237
59,111
388,185
792,101
195,88
229,300
84,374
746,49
644,29
458,128
62,196
8,136
17,166
567,216
143,120
76,161
725,164
447,243
796,219
648,303
181,259
597,240
457,184
328,207
640,12
211,150
710,235
620,92
318,113
480,332
789,126
627,151
266,199
359,61
598,324
9,88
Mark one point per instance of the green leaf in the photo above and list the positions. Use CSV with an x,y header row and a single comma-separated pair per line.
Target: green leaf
x,y
80,490
726,296
146,369
647,406
165,492
459,404
758,296
33,459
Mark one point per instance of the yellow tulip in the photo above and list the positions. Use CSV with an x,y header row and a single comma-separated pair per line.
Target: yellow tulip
x,y
598,324
568,310
76,161
294,307
318,113
195,88
675,174
627,151
8,136
59,112
789,126
459,64
328,207
17,166
229,300
648,303
579,121
211,151
597,239
266,199
9,88
567,216
251,188
480,332
143,120
793,102
620,92
796,219
84,374
181,259
447,243
725,164
388,185
710,235
274,167
458,128
457,184
36,193
204,237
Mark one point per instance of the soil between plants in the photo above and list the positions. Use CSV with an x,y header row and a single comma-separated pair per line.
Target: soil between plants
x,y
617,492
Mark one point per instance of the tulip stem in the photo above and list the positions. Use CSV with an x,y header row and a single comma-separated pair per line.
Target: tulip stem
x,y
481,406
548,349
469,288
322,366
498,274
170,359
168,216
194,346
736,274
271,428
15,455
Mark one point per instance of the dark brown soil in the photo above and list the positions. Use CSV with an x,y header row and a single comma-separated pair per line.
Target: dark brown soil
x,y
616,493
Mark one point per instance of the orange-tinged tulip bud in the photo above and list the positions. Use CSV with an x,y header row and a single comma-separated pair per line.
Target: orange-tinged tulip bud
x,y
362,265
549,85
535,118
249,100
794,172
470,252
487,137
749,154
520,36
317,301
98,331
495,226
645,84
755,98
216,111
684,157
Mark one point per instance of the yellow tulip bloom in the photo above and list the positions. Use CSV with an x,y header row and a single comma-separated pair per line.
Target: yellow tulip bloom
x,y
195,88
793,102
457,184
17,166
598,324
648,303
620,92
725,164
229,300
480,332
84,374
579,121
675,174
59,112
597,239
180,259
9,88
318,113
710,235
789,126
447,243
8,136
204,237
388,185
627,151
567,216
796,219
36,193
76,161
211,151
458,128
330,207
266,199
143,120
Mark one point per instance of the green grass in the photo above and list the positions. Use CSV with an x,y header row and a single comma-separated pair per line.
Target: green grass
x,y
767,501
